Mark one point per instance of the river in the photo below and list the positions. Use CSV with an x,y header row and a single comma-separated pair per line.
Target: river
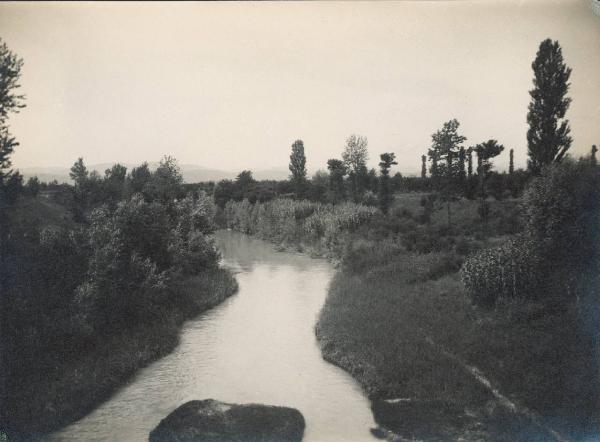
x,y
258,346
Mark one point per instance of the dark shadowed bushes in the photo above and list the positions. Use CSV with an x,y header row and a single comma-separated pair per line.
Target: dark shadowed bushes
x,y
558,255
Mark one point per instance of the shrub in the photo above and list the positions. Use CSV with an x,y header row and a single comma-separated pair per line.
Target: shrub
x,y
558,256
192,253
510,270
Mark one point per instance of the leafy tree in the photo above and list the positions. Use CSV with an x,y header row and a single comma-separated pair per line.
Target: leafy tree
x,y
593,159
13,187
319,184
511,164
483,206
139,178
461,165
423,166
114,182
337,171
244,184
10,102
371,181
79,173
548,138
33,186
116,173
469,162
355,156
224,191
167,181
443,142
486,151
245,179
298,167
388,159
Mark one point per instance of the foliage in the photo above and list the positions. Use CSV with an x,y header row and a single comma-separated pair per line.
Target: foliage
x,y
486,151
319,185
385,197
298,167
10,101
444,142
139,178
337,171
558,257
355,156
504,272
166,183
290,222
33,185
548,138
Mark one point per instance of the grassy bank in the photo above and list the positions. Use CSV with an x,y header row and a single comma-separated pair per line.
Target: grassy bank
x,y
393,332
62,388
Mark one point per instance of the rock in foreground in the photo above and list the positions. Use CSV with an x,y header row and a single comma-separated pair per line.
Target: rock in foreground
x,y
211,421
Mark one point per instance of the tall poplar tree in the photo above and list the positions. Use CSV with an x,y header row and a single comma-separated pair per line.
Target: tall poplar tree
x,y
298,167
548,138
388,159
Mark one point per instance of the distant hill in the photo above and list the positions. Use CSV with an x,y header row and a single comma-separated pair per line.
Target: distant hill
x,y
191,173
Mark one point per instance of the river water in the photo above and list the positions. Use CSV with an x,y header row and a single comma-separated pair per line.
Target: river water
x,y
258,346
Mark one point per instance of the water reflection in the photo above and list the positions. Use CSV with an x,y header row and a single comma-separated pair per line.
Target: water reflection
x,y
258,346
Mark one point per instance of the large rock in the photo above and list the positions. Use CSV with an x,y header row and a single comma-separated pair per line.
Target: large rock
x,y
210,420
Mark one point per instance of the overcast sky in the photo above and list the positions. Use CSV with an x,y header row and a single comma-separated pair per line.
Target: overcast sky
x,y
232,85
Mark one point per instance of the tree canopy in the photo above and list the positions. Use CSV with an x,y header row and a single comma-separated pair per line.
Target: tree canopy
x,y
548,138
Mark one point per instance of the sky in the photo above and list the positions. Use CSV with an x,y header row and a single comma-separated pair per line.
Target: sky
x,y
232,85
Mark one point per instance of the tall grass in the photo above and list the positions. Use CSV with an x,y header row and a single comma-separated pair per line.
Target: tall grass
x,y
296,223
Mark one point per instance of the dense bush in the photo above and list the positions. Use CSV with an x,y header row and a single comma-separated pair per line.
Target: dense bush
x,y
294,222
507,271
558,255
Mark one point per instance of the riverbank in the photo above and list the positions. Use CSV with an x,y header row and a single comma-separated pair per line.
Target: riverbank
x,y
414,343
397,318
65,387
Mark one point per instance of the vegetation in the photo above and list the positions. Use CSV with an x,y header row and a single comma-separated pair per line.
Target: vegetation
x,y
355,156
126,276
548,138
467,289
385,194
298,167
95,278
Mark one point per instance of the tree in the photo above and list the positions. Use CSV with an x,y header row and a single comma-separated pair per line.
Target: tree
x,y
511,163
355,156
298,167
486,151
319,184
469,162
388,159
423,166
593,159
483,206
548,138
33,186
444,141
224,191
337,171
167,181
139,177
79,173
461,165
10,102
114,182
